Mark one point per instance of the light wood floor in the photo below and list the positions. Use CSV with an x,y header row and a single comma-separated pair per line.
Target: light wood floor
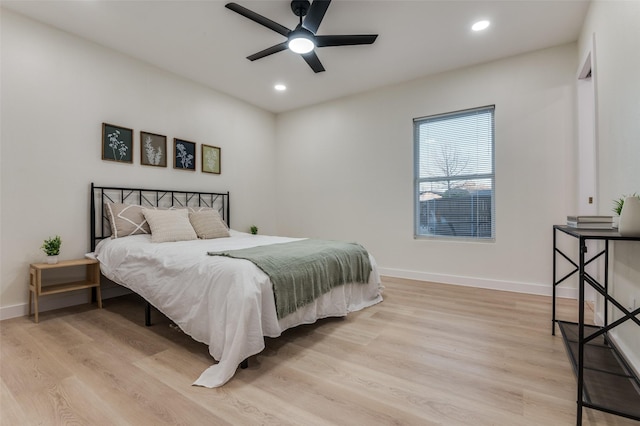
x,y
429,354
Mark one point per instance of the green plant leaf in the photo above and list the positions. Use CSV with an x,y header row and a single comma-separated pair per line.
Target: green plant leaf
x,y
51,246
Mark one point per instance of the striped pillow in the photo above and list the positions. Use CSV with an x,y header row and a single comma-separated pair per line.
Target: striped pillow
x,y
208,224
169,225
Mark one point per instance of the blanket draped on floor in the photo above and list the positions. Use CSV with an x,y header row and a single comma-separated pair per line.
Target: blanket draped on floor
x,y
301,271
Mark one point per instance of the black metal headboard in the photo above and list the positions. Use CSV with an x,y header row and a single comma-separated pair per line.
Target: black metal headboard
x,y
101,228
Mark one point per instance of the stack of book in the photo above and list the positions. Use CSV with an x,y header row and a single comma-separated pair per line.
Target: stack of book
x,y
590,222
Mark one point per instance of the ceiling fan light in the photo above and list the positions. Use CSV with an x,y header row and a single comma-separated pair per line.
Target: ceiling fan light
x,y
301,45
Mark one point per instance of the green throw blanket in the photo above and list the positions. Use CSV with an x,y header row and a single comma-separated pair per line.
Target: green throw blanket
x,y
301,271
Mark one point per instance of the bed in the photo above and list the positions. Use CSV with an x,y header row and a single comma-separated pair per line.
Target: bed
x,y
228,303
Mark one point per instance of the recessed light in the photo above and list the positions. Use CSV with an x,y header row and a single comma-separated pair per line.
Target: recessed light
x,y
280,87
480,25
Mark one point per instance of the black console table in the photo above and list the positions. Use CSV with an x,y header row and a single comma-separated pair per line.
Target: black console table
x,y
605,381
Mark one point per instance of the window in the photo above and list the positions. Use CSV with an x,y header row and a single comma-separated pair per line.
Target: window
x,y
454,176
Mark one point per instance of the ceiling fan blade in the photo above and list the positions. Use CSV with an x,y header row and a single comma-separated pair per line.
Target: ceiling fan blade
x,y
314,62
258,18
345,40
268,51
315,14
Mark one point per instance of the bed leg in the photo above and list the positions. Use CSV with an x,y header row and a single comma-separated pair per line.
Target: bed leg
x,y
147,314
244,364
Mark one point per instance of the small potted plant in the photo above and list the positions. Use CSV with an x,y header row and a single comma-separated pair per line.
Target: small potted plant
x,y
51,247
254,229
619,203
628,209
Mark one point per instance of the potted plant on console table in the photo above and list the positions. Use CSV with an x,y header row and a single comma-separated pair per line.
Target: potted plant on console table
x,y
51,247
628,208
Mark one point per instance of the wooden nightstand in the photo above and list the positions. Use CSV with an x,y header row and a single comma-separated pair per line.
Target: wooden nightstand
x,y
37,289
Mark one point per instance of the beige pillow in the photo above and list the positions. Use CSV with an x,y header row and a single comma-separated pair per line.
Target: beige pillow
x,y
208,224
169,225
201,209
126,219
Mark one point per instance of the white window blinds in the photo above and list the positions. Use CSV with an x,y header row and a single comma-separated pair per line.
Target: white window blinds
x,y
454,174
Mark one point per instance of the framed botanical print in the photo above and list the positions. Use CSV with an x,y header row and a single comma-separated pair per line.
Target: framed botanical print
x,y
184,154
153,149
117,143
211,159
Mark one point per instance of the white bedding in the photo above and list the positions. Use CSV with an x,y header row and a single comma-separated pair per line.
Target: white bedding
x,y
223,302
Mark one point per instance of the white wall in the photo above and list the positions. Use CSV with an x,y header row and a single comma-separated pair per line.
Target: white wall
x,y
57,90
617,71
345,170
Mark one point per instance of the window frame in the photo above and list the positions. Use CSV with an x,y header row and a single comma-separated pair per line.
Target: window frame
x,y
417,122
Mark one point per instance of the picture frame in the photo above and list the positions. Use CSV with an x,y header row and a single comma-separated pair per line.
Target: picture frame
x,y
153,149
117,143
211,159
184,155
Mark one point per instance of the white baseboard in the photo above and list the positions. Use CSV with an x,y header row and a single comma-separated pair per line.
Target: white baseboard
x,y
57,301
517,287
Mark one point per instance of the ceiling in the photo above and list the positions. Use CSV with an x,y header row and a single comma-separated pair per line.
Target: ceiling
x,y
207,43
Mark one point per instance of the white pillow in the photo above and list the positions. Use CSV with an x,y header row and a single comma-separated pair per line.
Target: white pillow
x,y
208,224
169,225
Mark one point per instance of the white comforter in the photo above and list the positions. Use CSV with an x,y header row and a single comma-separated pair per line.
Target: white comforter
x,y
223,302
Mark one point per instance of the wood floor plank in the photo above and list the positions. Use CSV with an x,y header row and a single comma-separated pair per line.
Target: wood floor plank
x,y
429,354
383,389
11,412
25,364
145,398
84,400
233,404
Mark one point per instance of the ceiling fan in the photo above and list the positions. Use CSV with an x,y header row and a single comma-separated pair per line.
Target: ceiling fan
x,y
303,38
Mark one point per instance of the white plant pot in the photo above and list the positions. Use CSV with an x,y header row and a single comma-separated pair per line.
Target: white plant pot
x,y
629,224
52,259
